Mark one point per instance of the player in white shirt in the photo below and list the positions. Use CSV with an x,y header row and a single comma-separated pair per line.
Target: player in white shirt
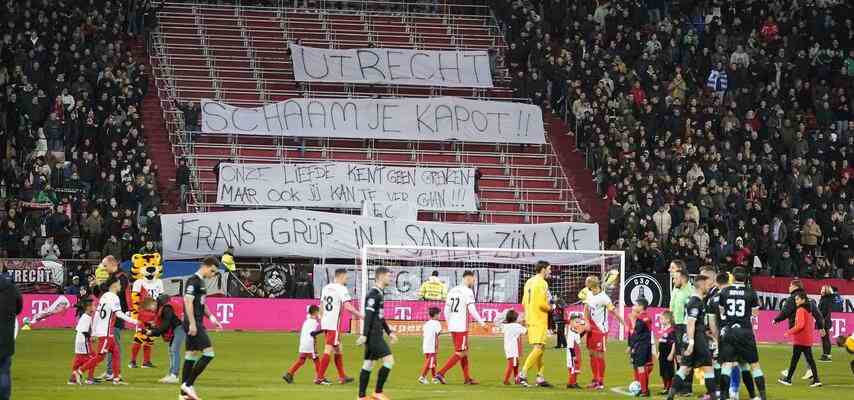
x,y
430,345
458,306
307,340
597,306
574,330
82,346
513,332
334,298
109,307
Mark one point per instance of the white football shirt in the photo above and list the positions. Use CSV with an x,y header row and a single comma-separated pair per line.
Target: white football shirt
x,y
430,332
457,308
306,340
105,315
599,305
84,327
332,299
512,338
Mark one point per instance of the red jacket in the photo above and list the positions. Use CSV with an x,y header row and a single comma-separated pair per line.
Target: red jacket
x,y
802,331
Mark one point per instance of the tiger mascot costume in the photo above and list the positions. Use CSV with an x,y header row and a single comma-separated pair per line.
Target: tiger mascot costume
x,y
147,285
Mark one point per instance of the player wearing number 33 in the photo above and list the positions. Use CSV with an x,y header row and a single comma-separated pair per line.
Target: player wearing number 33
x,y
535,299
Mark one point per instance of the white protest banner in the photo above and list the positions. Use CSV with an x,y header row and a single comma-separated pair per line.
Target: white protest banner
x,y
345,185
450,68
434,118
494,285
390,210
303,233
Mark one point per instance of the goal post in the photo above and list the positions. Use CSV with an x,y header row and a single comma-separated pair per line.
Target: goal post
x,y
500,276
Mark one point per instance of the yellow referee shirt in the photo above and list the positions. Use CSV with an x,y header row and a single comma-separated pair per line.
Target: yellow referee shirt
x,y
536,301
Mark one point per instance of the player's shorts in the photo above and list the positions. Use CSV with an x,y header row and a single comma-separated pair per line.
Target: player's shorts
x,y
309,356
641,356
701,356
333,338
738,345
461,341
376,348
106,345
537,334
199,342
596,341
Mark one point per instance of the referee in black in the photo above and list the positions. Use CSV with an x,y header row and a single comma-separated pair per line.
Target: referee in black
x,y
376,347
200,350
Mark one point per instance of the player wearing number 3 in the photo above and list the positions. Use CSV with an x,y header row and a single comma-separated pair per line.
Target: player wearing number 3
x,y
460,303
333,298
535,299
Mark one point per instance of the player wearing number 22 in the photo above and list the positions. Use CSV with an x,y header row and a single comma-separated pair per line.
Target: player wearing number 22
x,y
334,299
458,306
535,299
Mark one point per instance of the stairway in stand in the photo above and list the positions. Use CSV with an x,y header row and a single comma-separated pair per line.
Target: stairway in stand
x,y
580,178
156,136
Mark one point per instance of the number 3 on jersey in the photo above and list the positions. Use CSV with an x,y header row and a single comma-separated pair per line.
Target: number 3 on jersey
x,y
735,307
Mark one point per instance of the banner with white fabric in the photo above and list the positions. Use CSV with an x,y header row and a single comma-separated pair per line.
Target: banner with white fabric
x,y
433,118
303,233
449,68
493,285
345,185
390,210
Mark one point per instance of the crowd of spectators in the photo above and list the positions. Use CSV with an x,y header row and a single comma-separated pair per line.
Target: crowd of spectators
x,y
719,131
76,179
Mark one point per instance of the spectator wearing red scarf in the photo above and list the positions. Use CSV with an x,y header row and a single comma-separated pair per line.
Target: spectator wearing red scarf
x,y
770,31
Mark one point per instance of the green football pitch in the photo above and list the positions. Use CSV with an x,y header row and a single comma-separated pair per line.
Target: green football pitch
x,y
249,365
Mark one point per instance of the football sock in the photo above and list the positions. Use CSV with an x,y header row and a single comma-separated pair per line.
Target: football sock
x,y
533,356
541,366
759,378
748,382
508,370
464,364
644,380
381,377
364,379
324,364
724,379
297,365
146,354
852,366
200,366
450,364
134,351
676,383
316,361
711,385
573,378
90,365
339,365
426,366
189,363
601,370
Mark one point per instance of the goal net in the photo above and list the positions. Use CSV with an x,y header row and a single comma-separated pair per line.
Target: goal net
x,y
500,278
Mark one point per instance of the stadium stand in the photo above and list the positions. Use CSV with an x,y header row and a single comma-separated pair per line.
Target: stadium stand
x,y
239,54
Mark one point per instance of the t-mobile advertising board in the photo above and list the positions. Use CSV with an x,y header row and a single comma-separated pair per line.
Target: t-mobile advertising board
x,y
288,315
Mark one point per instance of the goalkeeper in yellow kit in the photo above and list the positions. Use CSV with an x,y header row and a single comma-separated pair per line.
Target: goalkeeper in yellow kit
x,y
535,299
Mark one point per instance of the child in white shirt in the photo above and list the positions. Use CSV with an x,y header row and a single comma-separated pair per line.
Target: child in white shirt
x,y
513,332
430,344
307,340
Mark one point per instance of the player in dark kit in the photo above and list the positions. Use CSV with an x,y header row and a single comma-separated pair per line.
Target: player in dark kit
x,y
697,353
200,351
376,347
738,304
